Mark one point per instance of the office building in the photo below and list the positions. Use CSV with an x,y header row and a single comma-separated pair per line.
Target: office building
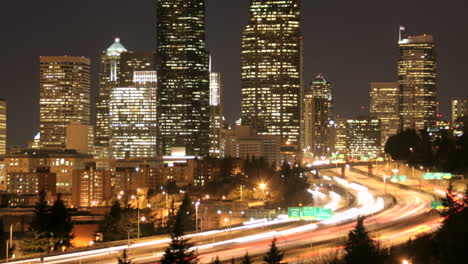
x,y
58,162
31,183
133,122
244,142
3,126
216,115
384,102
318,117
271,60
363,138
459,109
341,136
108,79
137,68
80,138
417,79
91,187
64,97
183,82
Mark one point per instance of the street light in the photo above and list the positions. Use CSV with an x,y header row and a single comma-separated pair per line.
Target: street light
x,y
196,215
405,261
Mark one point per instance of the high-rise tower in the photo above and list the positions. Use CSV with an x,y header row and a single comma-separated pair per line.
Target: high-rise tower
x,y
384,98
417,77
64,97
183,77
216,114
109,78
271,60
318,113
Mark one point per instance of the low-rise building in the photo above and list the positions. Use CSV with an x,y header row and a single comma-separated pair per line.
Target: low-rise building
x,y
243,142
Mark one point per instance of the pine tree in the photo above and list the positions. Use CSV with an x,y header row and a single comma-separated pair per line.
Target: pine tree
x,y
187,211
40,221
179,250
246,259
216,261
60,225
124,258
360,249
274,256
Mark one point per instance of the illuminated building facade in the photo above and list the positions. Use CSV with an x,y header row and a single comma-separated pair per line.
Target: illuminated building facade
x,y
318,117
64,97
3,126
137,68
80,138
31,183
91,187
243,142
363,137
384,102
183,82
216,114
417,76
108,79
133,122
271,59
59,162
459,109
341,136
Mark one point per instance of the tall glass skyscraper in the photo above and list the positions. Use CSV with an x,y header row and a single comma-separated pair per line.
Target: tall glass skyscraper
x,y
183,77
318,113
417,77
271,58
216,114
108,79
64,97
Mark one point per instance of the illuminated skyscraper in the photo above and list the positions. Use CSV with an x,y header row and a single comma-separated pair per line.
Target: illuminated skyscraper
x,y
109,78
64,97
318,117
384,98
183,83
417,76
133,122
133,107
459,109
3,126
271,60
363,137
216,114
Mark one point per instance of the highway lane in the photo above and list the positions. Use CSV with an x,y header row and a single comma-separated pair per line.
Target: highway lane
x,y
407,218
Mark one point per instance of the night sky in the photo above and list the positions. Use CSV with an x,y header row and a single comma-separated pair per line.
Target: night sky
x,y
351,42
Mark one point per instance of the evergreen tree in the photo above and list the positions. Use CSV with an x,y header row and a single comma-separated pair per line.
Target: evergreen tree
x,y
111,227
360,249
187,210
60,225
274,256
40,221
124,258
246,259
216,260
179,250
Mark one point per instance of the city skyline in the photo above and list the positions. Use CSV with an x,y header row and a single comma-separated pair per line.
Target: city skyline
x,y
318,34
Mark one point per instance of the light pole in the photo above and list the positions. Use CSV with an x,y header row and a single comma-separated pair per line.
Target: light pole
x,y
196,215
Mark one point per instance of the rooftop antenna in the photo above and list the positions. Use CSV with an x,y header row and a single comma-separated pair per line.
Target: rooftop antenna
x,y
402,28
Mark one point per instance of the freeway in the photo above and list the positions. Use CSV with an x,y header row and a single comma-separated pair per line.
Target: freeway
x,y
391,221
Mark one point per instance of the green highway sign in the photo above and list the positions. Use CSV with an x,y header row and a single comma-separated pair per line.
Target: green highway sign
x,y
437,205
380,159
309,213
323,214
437,176
399,178
294,213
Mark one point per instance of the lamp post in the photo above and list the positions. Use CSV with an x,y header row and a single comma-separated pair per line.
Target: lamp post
x,y
196,216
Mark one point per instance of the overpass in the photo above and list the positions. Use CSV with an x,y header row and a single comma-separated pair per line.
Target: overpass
x,y
316,168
